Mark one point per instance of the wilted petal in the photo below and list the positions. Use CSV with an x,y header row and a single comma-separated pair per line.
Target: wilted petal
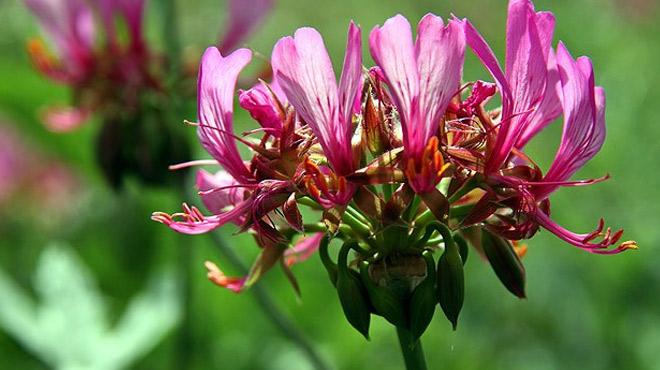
x,y
244,17
235,284
215,107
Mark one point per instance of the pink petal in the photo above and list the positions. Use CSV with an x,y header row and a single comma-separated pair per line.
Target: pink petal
x,y
350,83
302,65
216,200
192,222
304,248
65,118
584,118
235,284
69,24
549,109
439,52
260,103
244,17
393,51
215,91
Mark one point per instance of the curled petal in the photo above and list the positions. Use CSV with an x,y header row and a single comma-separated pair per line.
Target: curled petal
x,y
587,242
235,284
215,91
193,222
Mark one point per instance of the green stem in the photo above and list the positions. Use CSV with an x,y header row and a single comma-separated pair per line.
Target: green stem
x,y
413,354
270,309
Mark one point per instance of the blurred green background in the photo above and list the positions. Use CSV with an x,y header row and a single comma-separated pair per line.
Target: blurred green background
x,y
582,312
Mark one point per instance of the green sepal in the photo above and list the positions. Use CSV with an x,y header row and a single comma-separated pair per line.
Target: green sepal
x,y
423,301
451,287
505,262
384,301
352,295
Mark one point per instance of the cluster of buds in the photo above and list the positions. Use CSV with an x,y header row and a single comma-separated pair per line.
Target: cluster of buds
x,y
102,54
403,161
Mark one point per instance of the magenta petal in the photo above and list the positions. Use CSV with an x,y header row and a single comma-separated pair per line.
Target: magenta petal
x,y
439,53
584,118
215,99
350,83
393,51
304,70
259,102
304,248
65,118
219,191
244,17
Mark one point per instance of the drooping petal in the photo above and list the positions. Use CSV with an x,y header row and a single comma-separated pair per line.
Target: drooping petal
x,y
439,52
193,222
303,67
215,100
244,17
598,241
235,284
304,248
584,118
219,191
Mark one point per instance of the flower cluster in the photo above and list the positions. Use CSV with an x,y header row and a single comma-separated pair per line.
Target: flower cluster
x,y
403,160
101,52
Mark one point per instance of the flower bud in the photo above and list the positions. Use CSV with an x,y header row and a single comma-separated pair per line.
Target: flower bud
x,y
450,278
352,295
423,301
505,262
385,300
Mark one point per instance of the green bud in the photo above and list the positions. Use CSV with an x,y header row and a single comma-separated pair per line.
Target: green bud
x,y
330,266
450,277
505,262
384,300
352,295
462,247
423,300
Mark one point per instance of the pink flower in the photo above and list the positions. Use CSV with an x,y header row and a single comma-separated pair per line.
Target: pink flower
x,y
529,101
302,65
423,77
244,16
69,24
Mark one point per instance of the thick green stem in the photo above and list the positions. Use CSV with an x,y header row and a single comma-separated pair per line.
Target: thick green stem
x,y
270,309
413,354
